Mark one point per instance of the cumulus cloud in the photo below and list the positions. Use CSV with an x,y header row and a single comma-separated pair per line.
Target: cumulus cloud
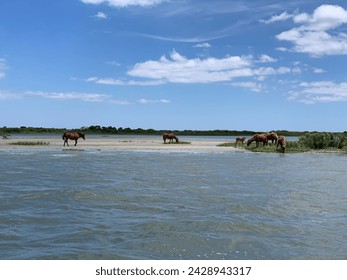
x,y
124,3
179,69
321,91
315,34
264,58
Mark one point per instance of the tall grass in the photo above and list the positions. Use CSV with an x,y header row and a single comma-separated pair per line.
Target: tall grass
x,y
291,147
324,140
179,143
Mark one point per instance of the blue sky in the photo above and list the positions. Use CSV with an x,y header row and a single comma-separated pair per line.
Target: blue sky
x,y
164,64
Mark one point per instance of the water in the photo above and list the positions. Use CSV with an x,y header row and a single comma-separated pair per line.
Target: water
x,y
57,204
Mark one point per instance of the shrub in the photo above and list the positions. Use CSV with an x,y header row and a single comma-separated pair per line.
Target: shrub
x,y
323,140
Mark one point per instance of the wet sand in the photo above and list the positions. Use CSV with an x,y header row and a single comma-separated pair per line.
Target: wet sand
x,y
121,143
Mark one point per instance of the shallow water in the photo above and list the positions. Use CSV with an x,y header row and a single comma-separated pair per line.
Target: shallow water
x,y
57,204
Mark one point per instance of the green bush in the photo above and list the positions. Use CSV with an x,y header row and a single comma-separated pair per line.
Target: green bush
x,y
323,140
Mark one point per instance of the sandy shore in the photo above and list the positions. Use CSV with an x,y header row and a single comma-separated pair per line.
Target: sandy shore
x,y
114,143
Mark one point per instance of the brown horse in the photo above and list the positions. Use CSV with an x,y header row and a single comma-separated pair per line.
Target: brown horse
x,y
282,142
72,136
239,139
258,138
271,136
170,136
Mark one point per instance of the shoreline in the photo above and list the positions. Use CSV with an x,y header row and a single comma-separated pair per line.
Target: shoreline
x,y
139,143
122,143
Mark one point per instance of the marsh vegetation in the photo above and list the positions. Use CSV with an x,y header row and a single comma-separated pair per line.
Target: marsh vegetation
x,y
30,143
314,141
179,143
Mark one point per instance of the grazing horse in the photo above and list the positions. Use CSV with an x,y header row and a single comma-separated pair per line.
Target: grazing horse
x,y
72,136
282,142
170,136
240,139
271,136
258,138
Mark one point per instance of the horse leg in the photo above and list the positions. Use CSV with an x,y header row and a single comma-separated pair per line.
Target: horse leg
x,y
75,142
66,141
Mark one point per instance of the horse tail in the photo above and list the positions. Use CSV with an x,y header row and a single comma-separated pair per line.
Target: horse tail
x,y
64,136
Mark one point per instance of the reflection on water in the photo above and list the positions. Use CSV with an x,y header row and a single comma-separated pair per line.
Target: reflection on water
x,y
172,205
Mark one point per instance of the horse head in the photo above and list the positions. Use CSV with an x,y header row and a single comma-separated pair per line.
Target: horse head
x,y
82,135
282,142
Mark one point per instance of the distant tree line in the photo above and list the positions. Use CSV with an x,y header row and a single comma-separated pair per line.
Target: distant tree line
x,y
97,129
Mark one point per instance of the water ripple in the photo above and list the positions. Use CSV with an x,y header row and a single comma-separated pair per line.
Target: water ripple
x,y
172,205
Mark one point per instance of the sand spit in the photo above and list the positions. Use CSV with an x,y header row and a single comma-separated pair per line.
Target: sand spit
x,y
104,143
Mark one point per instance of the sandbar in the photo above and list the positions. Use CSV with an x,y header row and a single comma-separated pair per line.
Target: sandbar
x,y
114,143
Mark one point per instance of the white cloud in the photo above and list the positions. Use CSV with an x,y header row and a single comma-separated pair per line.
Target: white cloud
x,y
101,15
90,97
270,71
124,3
118,82
78,96
148,101
4,95
322,91
3,67
282,17
86,97
202,45
318,70
113,63
313,36
301,18
180,69
249,85
264,58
